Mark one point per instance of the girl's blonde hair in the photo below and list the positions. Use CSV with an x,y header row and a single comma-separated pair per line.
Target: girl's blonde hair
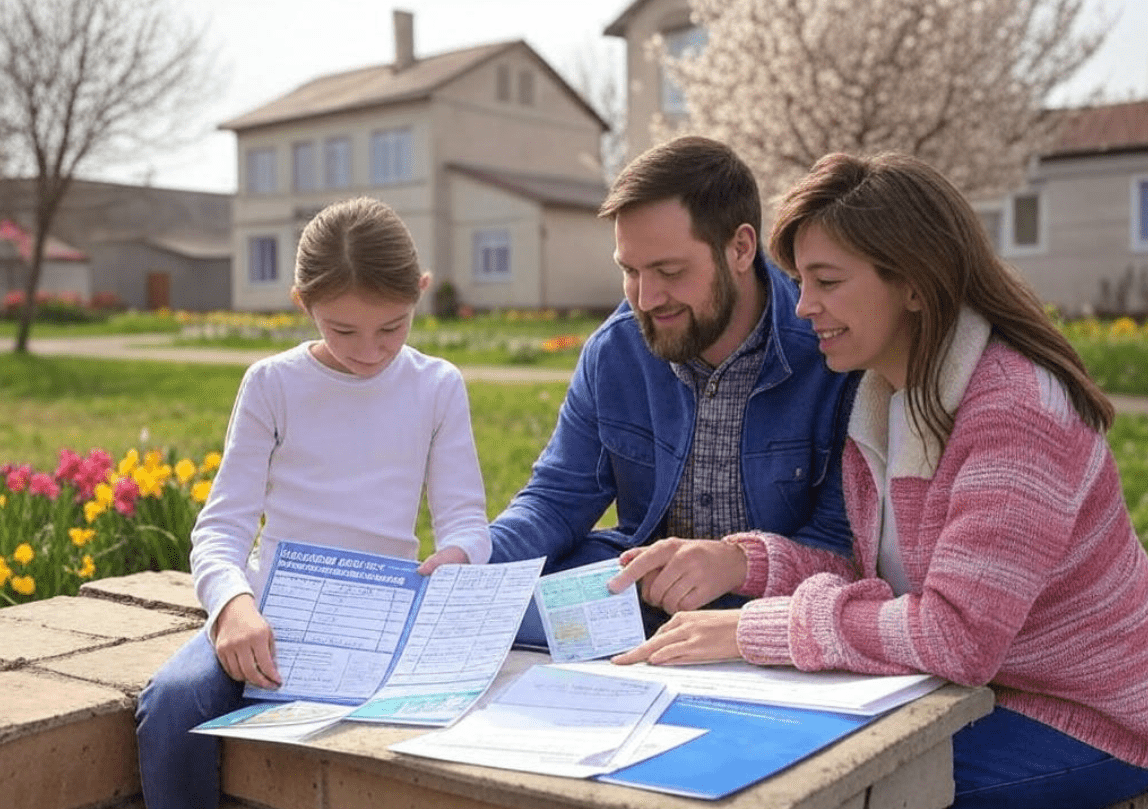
x,y
915,227
357,244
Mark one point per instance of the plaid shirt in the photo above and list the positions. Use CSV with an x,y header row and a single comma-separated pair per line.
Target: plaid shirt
x,y
709,501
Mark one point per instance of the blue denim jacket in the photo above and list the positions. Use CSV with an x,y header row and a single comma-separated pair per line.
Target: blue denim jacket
x,y
624,433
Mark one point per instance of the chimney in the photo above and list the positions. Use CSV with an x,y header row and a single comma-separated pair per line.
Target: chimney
x,y
404,39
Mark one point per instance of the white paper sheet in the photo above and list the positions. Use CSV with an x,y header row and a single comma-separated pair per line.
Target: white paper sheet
x,y
551,721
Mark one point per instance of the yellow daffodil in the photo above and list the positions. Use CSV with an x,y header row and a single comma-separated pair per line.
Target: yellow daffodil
x,y
200,490
5,572
24,553
88,569
3,500
93,509
184,471
129,462
163,474
147,480
153,460
210,462
105,494
24,585
1123,327
81,536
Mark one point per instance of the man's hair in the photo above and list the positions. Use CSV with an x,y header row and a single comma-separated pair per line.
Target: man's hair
x,y
358,244
713,184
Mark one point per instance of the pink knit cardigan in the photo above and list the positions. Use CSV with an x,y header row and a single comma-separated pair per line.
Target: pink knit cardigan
x,y
1024,569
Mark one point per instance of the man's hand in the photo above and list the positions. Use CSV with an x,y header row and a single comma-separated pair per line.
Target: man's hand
x,y
450,555
245,644
682,574
701,636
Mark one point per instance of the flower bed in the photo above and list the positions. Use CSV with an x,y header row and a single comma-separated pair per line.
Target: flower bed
x,y
94,517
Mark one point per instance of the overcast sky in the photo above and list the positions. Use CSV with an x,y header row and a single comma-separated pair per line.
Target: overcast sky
x,y
268,47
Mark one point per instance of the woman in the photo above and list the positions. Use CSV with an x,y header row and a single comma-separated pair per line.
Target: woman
x,y
992,542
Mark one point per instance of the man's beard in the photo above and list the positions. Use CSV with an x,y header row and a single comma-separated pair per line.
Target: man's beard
x,y
700,332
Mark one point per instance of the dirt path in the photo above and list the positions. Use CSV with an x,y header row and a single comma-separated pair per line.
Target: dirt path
x,y
159,347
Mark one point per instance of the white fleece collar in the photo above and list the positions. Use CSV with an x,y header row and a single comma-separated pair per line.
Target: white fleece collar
x,y
869,421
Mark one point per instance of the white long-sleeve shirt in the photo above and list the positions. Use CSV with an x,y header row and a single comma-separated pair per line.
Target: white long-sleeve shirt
x,y
335,459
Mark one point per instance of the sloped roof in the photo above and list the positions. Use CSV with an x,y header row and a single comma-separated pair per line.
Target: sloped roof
x,y
379,85
618,27
1101,129
545,189
54,249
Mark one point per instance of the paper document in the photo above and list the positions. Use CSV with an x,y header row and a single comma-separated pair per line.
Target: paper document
x,y
738,680
367,630
276,721
584,620
554,722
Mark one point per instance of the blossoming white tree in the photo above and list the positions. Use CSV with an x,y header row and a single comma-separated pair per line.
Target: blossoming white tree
x,y
960,83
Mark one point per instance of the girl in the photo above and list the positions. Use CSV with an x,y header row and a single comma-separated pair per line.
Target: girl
x,y
992,542
329,442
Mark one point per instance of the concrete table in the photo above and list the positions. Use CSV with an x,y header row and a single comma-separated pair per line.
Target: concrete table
x,y
903,759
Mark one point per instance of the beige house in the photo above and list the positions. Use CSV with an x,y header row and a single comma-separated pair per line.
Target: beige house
x,y
650,93
1078,228
488,155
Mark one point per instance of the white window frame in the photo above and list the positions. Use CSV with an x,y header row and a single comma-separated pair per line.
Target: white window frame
x,y
491,261
392,159
1138,214
986,211
261,170
303,176
1009,242
262,259
337,164
687,40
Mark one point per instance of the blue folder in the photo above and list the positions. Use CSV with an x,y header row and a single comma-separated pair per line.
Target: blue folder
x,y
744,743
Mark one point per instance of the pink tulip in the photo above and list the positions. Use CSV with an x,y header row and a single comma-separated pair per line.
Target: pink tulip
x,y
41,483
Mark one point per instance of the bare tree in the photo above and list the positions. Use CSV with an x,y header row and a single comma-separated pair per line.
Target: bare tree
x,y
89,80
959,83
597,72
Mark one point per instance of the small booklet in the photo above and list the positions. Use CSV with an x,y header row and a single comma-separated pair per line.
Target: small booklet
x,y
369,632
582,619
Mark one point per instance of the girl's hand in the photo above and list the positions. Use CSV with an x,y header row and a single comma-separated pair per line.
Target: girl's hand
x,y
682,574
450,555
702,636
245,644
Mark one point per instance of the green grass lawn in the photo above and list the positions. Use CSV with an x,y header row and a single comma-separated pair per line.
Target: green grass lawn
x,y
51,403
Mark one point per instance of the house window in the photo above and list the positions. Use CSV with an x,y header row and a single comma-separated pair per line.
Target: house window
x,y
262,259
303,166
1025,223
391,156
1140,214
337,162
502,82
526,88
261,171
683,42
991,219
492,254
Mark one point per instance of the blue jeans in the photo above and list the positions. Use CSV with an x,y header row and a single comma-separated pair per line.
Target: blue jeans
x,y
1009,760
178,768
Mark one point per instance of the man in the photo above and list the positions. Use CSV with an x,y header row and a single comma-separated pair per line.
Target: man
x,y
701,408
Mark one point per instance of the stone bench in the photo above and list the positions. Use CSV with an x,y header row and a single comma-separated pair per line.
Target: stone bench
x,y
72,668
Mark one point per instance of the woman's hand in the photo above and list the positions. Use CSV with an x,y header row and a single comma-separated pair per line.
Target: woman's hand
x,y
701,636
245,644
450,555
682,574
